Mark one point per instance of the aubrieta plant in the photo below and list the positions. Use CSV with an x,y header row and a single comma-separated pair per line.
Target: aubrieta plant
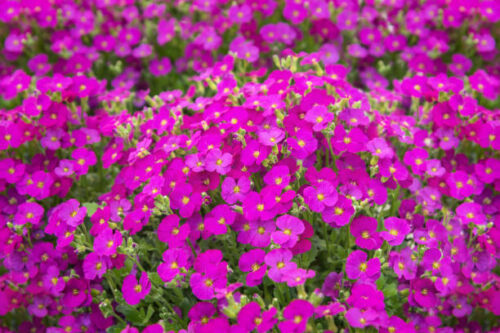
x,y
242,166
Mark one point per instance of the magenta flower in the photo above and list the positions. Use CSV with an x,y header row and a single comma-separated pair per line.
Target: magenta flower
x,y
364,230
253,263
211,273
360,318
470,212
397,229
28,212
53,282
291,228
256,233
488,170
106,243
218,161
83,159
94,266
11,170
39,306
254,153
279,261
358,266
171,233
302,144
319,117
134,291
233,191
160,67
185,199
424,293
258,206
174,260
380,148
321,196
340,214
252,318
297,276
296,315
219,218
271,136
279,175
71,212
416,159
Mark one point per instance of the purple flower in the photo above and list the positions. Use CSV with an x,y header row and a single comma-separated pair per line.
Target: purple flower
x,y
257,233
470,212
39,306
106,243
319,117
279,175
173,261
160,67
297,276
363,228
279,261
296,315
397,229
271,136
359,267
302,144
218,161
253,263
28,212
52,282
134,291
252,318
291,228
94,266
380,148
360,318
340,214
83,159
233,191
219,218
211,274
319,197
424,293
171,233
258,206
461,307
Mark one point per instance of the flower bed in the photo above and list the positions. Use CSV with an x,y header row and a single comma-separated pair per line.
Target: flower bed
x,y
269,166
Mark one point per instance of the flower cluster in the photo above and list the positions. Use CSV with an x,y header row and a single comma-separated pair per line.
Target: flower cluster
x,y
214,166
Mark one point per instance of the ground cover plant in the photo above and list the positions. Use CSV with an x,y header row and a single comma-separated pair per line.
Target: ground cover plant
x,y
249,166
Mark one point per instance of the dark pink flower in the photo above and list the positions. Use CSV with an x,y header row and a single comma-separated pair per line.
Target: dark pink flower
x,y
106,243
358,266
290,229
134,291
171,233
364,230
397,229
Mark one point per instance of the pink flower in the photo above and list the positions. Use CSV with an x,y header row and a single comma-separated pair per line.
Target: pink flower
x,y
107,242
133,291
363,228
171,233
218,161
291,228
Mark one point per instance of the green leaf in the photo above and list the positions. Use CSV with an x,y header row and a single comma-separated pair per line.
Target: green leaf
x,y
91,208
130,313
116,328
148,316
155,278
